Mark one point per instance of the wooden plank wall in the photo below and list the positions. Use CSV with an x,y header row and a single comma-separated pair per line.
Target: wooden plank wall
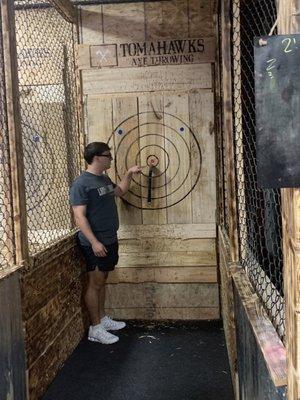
x,y
12,362
227,269
289,22
53,316
261,355
167,266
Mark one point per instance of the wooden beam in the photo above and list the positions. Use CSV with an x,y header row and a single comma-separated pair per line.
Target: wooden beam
x,y
12,362
271,347
220,217
66,9
289,22
14,131
228,132
80,102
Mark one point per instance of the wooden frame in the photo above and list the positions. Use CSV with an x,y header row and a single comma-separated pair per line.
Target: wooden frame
x,y
66,9
14,132
267,338
228,127
80,105
289,22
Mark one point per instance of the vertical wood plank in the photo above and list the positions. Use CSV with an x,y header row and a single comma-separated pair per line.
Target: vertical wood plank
x,y
7,234
201,107
100,128
14,131
216,76
123,22
91,24
178,147
166,19
67,10
12,363
228,126
289,22
79,100
17,345
126,137
152,143
201,18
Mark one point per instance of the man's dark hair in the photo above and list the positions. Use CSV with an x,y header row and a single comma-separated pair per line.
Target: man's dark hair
x,y
94,149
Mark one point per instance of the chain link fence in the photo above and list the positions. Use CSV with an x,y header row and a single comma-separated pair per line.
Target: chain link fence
x,y
259,210
6,226
47,87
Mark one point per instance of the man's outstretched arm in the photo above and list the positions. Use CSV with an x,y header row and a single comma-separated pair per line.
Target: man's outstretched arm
x,y
124,184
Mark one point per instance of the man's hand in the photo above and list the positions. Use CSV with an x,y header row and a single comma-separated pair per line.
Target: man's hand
x,y
134,170
123,186
99,249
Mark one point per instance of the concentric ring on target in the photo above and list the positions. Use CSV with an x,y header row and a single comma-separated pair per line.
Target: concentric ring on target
x,y
191,147
178,155
151,155
155,176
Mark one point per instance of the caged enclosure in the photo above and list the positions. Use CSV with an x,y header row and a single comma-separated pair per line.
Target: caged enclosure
x,y
170,85
45,44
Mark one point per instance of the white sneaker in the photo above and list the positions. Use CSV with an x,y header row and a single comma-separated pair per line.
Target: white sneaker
x,y
98,334
111,325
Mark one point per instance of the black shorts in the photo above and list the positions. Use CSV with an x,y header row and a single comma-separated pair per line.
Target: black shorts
x,y
104,264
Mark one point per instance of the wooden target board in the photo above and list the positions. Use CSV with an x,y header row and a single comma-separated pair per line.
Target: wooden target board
x,y
162,150
158,133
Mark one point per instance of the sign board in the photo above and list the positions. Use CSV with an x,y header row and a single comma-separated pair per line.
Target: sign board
x,y
277,98
146,54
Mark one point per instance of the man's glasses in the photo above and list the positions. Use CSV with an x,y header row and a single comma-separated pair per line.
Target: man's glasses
x,y
107,156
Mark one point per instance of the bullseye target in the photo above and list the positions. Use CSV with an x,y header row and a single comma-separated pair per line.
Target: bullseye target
x,y
169,153
39,166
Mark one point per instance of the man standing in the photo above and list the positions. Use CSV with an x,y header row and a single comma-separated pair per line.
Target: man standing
x,y
92,196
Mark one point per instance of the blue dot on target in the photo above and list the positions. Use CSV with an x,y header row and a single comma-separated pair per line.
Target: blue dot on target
x,y
120,131
181,129
36,138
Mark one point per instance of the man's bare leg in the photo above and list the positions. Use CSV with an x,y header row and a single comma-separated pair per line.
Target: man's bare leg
x,y
96,282
102,298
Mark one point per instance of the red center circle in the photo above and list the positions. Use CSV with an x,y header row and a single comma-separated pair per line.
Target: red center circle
x,y
152,161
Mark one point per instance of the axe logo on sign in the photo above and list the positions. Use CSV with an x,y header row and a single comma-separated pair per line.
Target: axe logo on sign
x,y
160,52
104,55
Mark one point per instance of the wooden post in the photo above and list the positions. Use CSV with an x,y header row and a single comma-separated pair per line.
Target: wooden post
x,y
218,124
66,9
80,108
228,127
67,113
289,22
14,131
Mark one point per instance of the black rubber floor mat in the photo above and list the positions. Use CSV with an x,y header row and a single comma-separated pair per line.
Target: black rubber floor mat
x,y
152,361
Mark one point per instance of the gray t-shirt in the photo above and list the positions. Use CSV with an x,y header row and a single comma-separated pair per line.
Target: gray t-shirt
x,y
97,193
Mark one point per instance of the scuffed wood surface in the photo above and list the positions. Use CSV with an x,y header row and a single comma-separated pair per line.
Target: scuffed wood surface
x,y
172,313
289,22
161,295
227,269
53,313
67,10
12,361
267,339
171,77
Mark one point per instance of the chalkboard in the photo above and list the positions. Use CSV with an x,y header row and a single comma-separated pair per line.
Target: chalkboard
x,y
277,98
